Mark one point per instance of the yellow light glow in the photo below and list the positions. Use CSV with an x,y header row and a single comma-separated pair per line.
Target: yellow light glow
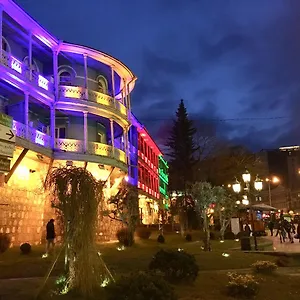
x,y
275,179
22,172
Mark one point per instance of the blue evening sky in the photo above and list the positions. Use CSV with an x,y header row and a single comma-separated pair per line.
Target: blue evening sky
x,y
228,59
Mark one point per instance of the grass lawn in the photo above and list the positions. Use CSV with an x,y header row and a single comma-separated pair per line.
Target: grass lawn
x,y
209,285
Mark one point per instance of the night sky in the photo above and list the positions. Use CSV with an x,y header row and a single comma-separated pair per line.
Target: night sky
x,y
235,63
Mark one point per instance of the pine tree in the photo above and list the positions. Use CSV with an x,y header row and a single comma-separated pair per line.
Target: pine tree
x,y
181,151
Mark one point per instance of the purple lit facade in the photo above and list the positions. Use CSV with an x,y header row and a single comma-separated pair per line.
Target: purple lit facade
x,y
69,104
63,97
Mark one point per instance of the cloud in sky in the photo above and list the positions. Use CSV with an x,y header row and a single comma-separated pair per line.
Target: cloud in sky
x,y
226,59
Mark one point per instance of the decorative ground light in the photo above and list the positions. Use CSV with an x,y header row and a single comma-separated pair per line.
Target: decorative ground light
x,y
225,254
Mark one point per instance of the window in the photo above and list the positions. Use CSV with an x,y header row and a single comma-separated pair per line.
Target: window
x,y
60,133
4,45
100,137
65,78
34,66
102,84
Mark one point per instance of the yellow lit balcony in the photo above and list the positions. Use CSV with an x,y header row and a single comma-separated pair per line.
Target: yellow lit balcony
x,y
70,145
76,92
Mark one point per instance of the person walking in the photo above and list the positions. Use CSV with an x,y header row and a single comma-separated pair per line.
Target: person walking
x,y
271,226
50,235
298,232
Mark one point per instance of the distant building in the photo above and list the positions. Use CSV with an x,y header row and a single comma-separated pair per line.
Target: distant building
x,y
285,164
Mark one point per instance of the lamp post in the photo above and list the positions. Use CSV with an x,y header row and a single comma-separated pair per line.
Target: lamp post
x,y
269,181
257,186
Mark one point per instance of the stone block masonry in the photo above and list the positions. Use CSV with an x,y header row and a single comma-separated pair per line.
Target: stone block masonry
x,y
26,206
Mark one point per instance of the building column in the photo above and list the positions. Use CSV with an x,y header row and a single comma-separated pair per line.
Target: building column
x,y
126,148
113,83
26,112
128,98
1,21
55,73
85,76
112,136
124,93
30,55
52,125
85,132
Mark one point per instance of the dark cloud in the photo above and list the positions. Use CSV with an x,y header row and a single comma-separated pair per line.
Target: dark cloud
x,y
226,59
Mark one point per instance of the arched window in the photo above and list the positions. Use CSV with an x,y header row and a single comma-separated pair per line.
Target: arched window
x,y
5,45
66,75
65,78
34,67
102,84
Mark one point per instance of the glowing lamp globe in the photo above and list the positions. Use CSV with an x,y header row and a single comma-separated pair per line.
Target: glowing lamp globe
x,y
258,185
246,177
236,187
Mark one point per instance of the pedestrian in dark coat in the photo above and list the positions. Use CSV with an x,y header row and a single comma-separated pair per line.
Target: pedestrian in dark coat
x,y
50,235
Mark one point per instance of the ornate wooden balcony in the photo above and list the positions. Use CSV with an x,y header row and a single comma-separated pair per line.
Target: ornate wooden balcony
x,y
71,145
68,145
22,69
77,92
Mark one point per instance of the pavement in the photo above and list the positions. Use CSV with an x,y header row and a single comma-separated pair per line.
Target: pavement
x,y
284,247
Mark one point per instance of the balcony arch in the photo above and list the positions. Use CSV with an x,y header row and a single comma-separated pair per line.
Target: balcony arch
x,y
102,84
34,66
5,45
66,75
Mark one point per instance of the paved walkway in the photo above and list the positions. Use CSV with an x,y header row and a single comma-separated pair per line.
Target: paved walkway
x,y
284,247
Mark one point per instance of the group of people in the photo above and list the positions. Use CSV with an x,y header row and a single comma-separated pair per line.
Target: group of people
x,y
285,230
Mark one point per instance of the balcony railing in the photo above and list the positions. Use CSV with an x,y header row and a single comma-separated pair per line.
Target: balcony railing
x,y
13,63
77,92
70,145
34,136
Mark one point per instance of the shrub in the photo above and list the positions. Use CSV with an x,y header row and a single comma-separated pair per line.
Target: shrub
x,y
143,233
229,235
161,239
4,242
140,286
188,237
176,266
264,267
242,285
283,261
125,237
25,248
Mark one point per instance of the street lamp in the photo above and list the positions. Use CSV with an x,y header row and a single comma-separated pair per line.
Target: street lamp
x,y
257,186
274,179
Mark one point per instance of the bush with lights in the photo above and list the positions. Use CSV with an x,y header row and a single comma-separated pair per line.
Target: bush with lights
x,y
176,266
264,267
140,285
242,285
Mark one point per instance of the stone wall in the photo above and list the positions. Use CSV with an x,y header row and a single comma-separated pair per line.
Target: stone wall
x,y
26,206
23,201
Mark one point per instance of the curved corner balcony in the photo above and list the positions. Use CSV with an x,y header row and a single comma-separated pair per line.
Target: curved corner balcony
x,y
33,135
103,150
20,70
107,103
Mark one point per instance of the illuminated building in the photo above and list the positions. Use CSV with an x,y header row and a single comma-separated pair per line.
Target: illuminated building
x,y
70,105
144,171
163,180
